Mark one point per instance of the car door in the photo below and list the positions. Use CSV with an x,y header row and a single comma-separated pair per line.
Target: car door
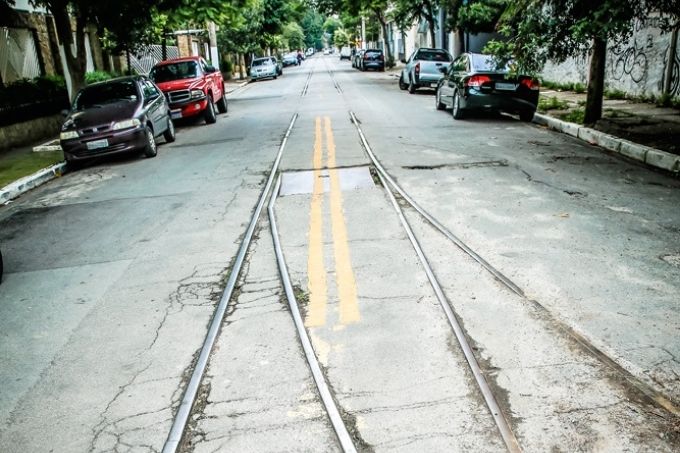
x,y
210,74
155,106
458,72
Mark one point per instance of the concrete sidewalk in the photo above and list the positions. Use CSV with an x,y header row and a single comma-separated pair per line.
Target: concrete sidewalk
x,y
48,150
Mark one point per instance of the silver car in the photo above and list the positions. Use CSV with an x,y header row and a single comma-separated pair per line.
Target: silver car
x,y
424,69
262,68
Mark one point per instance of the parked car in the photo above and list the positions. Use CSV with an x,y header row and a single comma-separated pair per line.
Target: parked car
x,y
345,53
327,51
310,52
192,87
474,82
117,116
262,68
423,69
373,59
290,59
356,60
278,64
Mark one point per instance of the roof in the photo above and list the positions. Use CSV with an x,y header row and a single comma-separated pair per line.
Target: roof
x,y
179,60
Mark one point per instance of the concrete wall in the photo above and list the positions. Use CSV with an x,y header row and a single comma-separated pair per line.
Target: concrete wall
x,y
636,67
30,131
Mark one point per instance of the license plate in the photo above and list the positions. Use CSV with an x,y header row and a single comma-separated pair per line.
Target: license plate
x,y
505,86
97,144
176,114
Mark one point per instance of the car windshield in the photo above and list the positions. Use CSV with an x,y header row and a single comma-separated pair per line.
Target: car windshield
x,y
174,71
262,62
487,63
433,55
106,93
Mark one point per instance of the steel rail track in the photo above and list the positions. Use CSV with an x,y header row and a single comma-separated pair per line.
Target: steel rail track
x,y
331,73
189,397
343,435
306,87
647,392
504,428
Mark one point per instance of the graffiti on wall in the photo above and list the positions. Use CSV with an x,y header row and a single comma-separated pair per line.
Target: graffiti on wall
x,y
630,61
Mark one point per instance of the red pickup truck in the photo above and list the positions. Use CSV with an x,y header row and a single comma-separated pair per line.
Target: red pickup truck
x,y
192,87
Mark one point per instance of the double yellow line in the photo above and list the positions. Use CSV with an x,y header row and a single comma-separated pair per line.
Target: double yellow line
x,y
316,266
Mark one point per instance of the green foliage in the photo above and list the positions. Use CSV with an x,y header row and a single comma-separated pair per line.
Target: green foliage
x,y
312,26
98,76
341,38
576,87
480,16
615,94
575,116
294,36
552,103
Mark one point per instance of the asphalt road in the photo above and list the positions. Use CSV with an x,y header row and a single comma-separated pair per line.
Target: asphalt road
x,y
113,273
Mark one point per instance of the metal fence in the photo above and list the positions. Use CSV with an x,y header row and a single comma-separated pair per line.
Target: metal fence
x,y
18,54
144,60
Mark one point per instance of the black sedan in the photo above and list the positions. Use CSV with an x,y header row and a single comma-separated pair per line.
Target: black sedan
x,y
474,82
117,116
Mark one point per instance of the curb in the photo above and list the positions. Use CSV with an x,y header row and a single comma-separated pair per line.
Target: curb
x,y
650,156
23,185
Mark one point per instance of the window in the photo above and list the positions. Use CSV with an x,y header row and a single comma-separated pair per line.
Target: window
x,y
150,91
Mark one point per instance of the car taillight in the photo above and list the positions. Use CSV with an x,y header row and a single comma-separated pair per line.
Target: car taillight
x,y
478,80
417,68
531,83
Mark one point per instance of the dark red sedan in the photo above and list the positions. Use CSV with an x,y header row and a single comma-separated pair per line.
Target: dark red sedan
x,y
121,115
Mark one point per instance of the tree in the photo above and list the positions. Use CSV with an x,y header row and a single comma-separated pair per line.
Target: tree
x,y
294,36
312,26
557,29
378,10
341,38
407,12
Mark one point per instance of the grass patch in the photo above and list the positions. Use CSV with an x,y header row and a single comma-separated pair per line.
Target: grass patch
x,y
615,94
575,116
558,86
13,167
552,103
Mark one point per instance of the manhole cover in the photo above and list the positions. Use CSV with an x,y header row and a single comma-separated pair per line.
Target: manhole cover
x,y
673,260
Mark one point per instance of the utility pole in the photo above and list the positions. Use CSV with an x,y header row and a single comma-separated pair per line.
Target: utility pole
x,y
363,32
212,37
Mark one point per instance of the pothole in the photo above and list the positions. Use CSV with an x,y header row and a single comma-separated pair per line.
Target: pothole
x,y
673,260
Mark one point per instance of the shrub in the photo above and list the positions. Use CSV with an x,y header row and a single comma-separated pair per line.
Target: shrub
x,y
575,116
615,94
552,103
98,76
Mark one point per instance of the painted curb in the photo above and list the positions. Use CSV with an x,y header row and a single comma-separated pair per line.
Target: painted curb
x,y
23,185
650,156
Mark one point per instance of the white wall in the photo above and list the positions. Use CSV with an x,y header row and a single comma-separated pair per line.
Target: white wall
x,y
636,67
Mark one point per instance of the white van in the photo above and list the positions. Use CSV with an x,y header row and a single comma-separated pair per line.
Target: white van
x,y
345,52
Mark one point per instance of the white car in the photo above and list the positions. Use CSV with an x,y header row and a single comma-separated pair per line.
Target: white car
x,y
345,53
262,68
326,52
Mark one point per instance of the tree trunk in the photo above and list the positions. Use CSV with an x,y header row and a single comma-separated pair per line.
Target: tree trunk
x,y
433,30
242,66
389,60
672,52
75,64
596,82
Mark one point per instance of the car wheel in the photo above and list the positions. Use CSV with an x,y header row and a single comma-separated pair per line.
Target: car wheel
x,y
209,114
402,84
438,100
275,77
411,86
222,103
526,115
457,112
151,149
169,134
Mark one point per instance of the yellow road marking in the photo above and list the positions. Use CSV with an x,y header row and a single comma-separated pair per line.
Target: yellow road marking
x,y
344,275
316,267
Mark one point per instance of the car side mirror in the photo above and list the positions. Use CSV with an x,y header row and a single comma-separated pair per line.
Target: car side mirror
x,y
443,69
210,69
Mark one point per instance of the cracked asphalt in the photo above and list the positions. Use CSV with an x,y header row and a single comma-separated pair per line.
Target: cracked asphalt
x,y
113,272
